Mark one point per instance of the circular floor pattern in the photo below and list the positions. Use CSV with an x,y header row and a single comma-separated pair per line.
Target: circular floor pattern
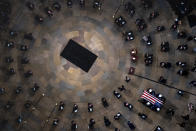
x,y
60,80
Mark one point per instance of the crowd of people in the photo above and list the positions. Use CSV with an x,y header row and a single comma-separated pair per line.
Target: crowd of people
x,y
165,46
184,68
120,21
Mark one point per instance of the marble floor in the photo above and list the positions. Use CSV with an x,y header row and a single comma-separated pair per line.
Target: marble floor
x,y
60,80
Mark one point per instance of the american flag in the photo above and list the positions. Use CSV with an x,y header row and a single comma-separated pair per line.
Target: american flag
x,y
152,99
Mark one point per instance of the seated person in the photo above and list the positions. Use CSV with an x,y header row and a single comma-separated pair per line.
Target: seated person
x,y
128,36
19,119
165,46
174,27
28,104
147,40
131,125
69,3
23,48
107,121
182,72
13,33
193,69
170,111
127,79
181,64
180,93
11,71
140,24
28,74
18,90
97,4
49,12
116,94
194,38
73,126
91,124
75,108
61,106
160,28
120,21
148,59
182,47
192,83
2,91
24,60
39,19
9,59
9,105
181,35
90,107
104,102
55,122
130,8
82,3
116,129
30,5
142,115
117,116
122,88
35,88
10,44
56,6
153,15
158,128
166,65
129,106
162,80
